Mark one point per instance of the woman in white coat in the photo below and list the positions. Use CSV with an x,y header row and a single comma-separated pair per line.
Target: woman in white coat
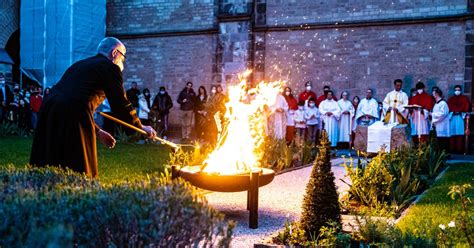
x,y
144,109
440,119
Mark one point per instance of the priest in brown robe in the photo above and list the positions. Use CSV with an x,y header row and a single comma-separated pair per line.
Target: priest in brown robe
x,y
459,107
66,132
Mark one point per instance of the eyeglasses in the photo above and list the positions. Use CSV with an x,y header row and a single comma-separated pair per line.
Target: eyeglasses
x,y
124,57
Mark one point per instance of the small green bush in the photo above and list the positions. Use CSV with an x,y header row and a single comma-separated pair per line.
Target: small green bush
x,y
329,236
321,201
49,207
391,181
370,185
378,232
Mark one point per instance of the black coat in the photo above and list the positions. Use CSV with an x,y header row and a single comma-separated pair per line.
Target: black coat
x,y
162,103
190,97
65,133
132,96
9,95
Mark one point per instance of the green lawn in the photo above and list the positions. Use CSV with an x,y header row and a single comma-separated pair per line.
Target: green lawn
x,y
436,207
125,161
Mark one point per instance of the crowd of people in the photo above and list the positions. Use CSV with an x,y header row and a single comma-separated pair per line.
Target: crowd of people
x,y
301,117
294,117
201,113
20,106
306,115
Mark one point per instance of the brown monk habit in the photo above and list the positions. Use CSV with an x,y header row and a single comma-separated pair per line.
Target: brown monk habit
x,y
66,132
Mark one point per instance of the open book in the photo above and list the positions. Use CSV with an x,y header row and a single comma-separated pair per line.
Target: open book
x,y
413,106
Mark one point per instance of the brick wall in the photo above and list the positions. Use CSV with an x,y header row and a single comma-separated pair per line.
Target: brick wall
x,y
148,16
170,62
290,12
354,59
438,52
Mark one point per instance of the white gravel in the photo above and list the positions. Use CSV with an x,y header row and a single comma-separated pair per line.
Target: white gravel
x,y
281,198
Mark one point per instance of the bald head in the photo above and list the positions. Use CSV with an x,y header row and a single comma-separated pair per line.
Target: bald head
x,y
113,49
108,44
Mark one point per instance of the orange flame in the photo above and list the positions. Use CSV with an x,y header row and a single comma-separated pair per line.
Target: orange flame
x,y
247,110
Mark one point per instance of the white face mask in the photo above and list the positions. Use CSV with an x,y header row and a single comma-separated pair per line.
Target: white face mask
x,y
300,107
413,94
311,105
287,93
457,92
213,91
308,88
419,91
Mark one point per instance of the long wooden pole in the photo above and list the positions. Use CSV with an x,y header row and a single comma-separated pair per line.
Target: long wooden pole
x,y
166,142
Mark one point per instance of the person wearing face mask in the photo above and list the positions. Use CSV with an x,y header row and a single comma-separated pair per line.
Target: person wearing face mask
x,y
292,107
6,96
355,104
458,106
367,110
213,108
200,113
312,116
300,123
440,119
330,115
161,108
345,122
307,94
144,105
15,105
419,115
66,131
35,103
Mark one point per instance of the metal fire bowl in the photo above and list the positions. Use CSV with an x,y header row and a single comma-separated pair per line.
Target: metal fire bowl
x,y
223,183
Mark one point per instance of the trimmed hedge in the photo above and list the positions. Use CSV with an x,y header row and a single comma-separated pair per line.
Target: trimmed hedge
x,y
51,207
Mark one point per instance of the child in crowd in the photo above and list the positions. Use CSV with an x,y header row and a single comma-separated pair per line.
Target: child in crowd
x,y
300,122
312,119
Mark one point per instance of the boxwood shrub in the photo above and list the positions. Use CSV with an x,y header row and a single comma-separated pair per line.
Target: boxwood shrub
x,y
55,208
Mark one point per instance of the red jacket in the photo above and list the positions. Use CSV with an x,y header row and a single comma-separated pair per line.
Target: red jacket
x,y
458,104
305,95
292,103
35,102
424,100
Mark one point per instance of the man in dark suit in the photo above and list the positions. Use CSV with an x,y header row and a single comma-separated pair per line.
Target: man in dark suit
x,y
6,96
66,132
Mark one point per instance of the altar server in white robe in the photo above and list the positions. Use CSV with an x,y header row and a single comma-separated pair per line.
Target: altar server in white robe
x,y
367,112
440,119
345,122
330,114
394,103
277,118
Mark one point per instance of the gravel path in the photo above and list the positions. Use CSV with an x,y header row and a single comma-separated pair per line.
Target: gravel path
x,y
281,198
